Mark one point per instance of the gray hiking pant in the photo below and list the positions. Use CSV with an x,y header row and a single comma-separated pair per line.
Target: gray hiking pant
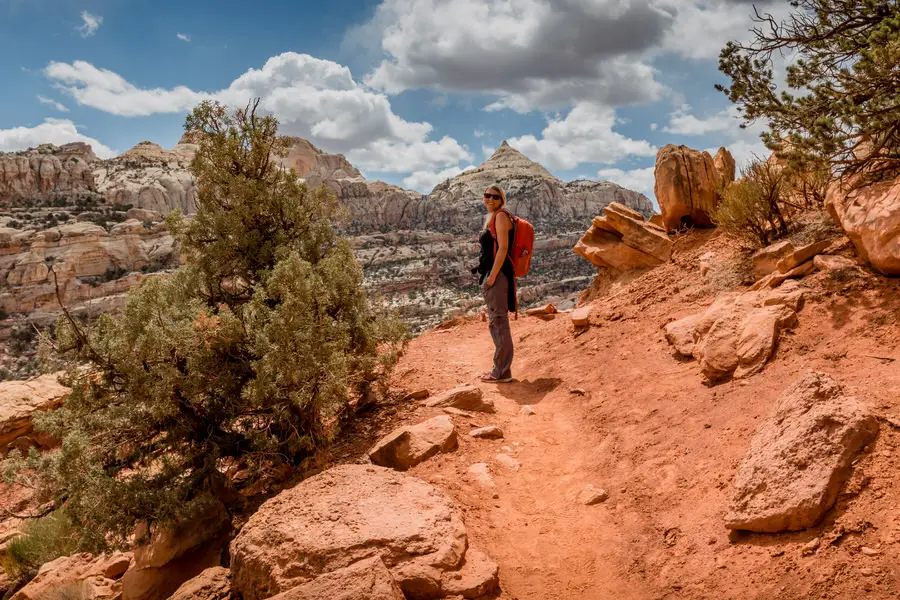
x,y
497,302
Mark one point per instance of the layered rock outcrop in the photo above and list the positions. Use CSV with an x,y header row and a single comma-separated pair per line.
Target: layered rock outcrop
x,y
871,217
150,178
349,514
622,240
688,183
800,457
89,262
47,172
78,576
19,402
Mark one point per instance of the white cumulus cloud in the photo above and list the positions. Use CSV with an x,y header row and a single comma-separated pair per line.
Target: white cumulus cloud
x,y
639,180
51,131
53,103
183,37
89,24
424,181
585,135
682,122
312,98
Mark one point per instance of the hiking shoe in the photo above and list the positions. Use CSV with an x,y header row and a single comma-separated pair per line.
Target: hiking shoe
x,y
491,379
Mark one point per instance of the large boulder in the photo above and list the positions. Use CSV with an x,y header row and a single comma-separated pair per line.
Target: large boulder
x,y
622,240
19,401
737,334
82,574
871,217
345,515
407,446
212,584
800,457
687,184
166,557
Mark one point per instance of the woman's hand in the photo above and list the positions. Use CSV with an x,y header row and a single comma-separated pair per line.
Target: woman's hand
x,y
490,280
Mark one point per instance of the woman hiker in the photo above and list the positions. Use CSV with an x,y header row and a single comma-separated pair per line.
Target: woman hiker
x,y
498,281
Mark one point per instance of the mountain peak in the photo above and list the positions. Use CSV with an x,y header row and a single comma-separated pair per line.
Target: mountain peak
x,y
506,159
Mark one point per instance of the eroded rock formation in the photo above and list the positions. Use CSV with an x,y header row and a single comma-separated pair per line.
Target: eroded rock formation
x,y
47,172
871,218
622,240
800,457
354,513
688,183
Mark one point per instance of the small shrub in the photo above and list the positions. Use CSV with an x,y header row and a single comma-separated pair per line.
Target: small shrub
x,y
43,540
750,209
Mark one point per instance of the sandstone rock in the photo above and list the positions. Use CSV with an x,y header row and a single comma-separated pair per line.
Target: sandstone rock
x,y
527,411
212,584
478,576
827,262
20,400
622,240
547,309
80,573
759,336
481,472
141,214
718,350
367,579
337,518
790,294
172,556
791,260
581,317
725,165
466,397
46,172
591,495
416,395
765,260
685,333
871,218
490,432
800,457
687,185
773,280
315,165
406,447
508,462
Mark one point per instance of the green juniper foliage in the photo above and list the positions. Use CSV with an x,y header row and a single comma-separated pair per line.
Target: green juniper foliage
x,y
843,107
751,209
233,367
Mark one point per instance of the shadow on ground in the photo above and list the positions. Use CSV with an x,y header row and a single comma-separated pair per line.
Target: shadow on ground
x,y
528,392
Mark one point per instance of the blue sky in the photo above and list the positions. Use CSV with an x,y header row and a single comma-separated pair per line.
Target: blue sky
x,y
412,91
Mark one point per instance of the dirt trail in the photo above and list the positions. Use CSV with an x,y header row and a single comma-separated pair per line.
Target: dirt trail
x,y
665,448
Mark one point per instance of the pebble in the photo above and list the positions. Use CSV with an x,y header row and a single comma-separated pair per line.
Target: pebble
x,y
490,432
867,572
811,547
509,462
591,495
526,411
869,551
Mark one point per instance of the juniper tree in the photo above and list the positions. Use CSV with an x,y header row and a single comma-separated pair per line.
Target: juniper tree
x,y
229,369
842,109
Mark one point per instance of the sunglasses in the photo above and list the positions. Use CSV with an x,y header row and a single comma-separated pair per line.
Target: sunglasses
x,y
492,196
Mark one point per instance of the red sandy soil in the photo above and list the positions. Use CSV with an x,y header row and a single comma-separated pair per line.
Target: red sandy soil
x,y
663,445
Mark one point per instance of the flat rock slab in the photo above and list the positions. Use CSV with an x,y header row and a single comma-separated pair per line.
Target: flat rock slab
x,y
367,579
340,517
827,262
406,447
800,457
20,400
591,495
491,432
467,397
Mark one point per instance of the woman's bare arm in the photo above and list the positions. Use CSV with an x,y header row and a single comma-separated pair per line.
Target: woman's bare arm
x,y
502,225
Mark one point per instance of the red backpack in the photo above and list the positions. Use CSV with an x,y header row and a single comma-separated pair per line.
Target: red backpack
x,y
522,245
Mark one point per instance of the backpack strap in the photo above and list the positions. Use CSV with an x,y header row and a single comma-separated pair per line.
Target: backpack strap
x,y
492,227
